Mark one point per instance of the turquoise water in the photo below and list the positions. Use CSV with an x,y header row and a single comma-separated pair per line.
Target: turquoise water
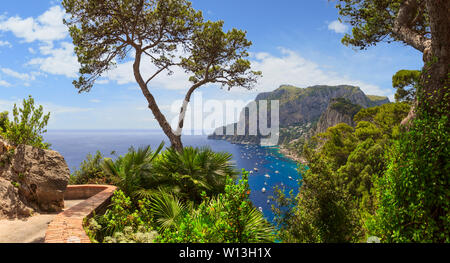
x,y
75,145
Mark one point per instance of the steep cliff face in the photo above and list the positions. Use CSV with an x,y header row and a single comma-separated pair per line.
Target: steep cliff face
x,y
339,111
300,110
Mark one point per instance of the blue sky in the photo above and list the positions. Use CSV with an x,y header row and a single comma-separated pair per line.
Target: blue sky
x,y
295,42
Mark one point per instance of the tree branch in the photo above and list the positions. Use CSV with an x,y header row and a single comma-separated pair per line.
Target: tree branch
x,y
156,73
403,26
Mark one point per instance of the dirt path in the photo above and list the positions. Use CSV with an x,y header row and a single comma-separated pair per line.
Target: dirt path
x,y
31,230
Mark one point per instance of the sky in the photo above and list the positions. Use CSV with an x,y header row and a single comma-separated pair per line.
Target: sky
x,y
296,42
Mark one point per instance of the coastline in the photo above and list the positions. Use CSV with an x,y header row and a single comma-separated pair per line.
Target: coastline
x,y
281,149
291,155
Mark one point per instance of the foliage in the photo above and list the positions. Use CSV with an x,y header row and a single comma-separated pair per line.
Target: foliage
x,y
230,217
323,210
142,173
28,125
336,195
130,169
193,171
345,106
90,171
130,236
373,21
3,121
170,33
167,209
414,193
406,81
122,213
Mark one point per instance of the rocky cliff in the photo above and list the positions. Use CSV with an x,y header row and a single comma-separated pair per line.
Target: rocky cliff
x,y
339,110
31,179
300,111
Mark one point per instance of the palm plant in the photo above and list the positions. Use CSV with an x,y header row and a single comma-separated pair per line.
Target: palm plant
x,y
167,209
129,170
193,171
227,217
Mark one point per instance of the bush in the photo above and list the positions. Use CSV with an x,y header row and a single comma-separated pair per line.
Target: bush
x,y
121,214
3,121
414,194
336,198
228,218
90,171
193,171
130,236
27,126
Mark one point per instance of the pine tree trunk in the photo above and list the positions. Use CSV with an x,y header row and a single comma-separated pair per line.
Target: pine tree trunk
x,y
175,140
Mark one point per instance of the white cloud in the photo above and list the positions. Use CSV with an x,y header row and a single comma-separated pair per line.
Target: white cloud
x,y
338,27
46,28
95,101
102,81
5,43
59,61
4,84
291,68
21,76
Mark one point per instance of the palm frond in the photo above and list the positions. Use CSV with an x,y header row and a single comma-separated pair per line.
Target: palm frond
x,y
166,209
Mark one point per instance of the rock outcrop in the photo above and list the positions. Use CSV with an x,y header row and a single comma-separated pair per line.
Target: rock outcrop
x,y
11,205
39,178
339,110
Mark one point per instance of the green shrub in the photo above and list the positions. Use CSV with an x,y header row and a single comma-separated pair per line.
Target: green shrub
x,y
129,170
91,172
230,218
27,126
3,121
414,194
129,235
191,172
336,198
122,213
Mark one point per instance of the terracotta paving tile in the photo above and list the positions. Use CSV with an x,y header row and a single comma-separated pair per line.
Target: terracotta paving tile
x,y
67,226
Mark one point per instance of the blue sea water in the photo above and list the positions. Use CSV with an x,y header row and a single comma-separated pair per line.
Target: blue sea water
x,y
75,145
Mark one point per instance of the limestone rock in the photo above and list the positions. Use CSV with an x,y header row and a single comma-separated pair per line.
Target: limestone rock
x,y
339,110
42,175
11,205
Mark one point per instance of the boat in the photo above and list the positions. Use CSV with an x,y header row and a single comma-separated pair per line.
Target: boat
x,y
260,209
267,176
256,169
265,183
263,190
290,177
277,172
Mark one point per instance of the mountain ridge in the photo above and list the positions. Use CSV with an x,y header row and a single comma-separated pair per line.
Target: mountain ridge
x,y
300,111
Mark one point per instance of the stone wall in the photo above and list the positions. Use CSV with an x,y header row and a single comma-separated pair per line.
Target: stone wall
x,y
67,226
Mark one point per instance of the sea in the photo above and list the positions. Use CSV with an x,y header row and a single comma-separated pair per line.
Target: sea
x,y
269,167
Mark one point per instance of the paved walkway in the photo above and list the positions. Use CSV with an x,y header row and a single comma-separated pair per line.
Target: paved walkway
x,y
31,230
